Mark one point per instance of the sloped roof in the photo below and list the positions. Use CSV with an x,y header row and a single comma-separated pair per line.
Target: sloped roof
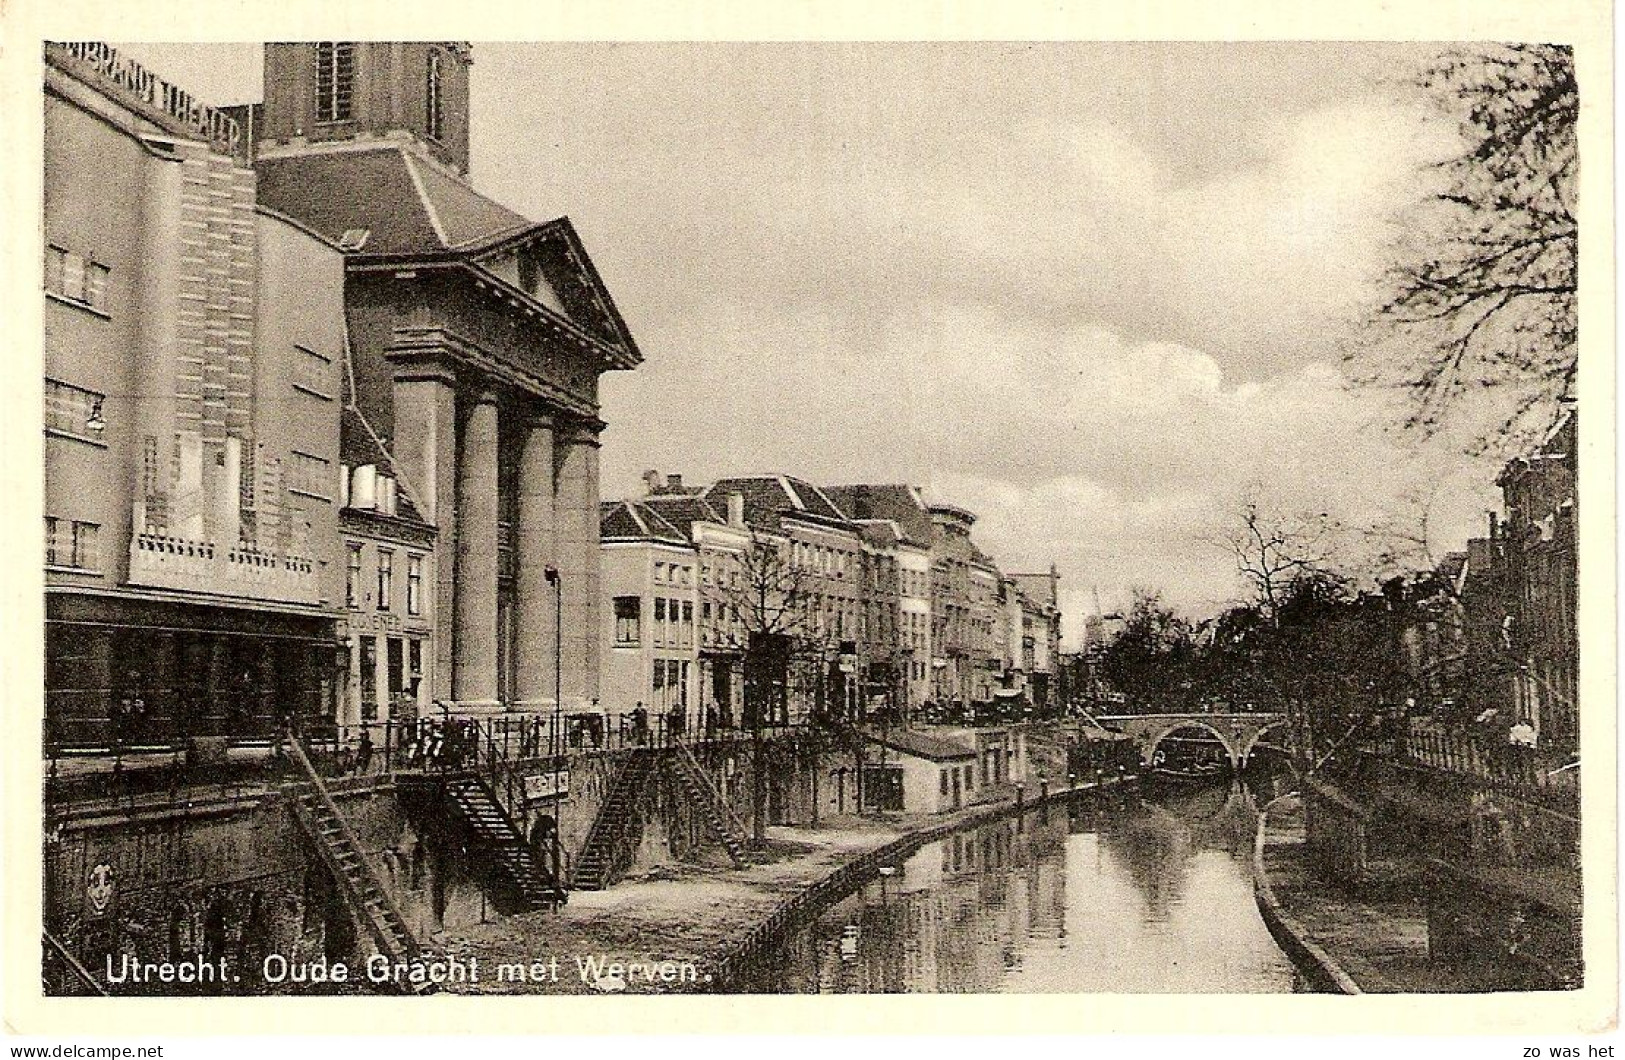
x,y
635,521
411,210
922,745
683,510
768,497
408,206
881,532
894,501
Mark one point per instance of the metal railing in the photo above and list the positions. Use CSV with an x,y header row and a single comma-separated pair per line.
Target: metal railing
x,y
159,768
1523,772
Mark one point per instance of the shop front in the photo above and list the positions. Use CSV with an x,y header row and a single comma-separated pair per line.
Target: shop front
x,y
128,671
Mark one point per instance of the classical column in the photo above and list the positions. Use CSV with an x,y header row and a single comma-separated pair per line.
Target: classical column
x,y
425,451
576,519
535,609
475,652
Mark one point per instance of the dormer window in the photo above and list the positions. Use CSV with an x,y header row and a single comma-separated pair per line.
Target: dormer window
x,y
435,118
335,81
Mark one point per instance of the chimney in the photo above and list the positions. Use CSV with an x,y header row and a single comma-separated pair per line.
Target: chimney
x,y
674,483
736,509
651,481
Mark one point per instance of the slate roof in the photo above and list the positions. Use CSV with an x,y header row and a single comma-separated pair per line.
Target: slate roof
x,y
412,210
409,207
767,497
922,745
683,510
900,503
636,521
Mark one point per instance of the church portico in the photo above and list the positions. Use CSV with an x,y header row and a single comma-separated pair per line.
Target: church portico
x,y
477,337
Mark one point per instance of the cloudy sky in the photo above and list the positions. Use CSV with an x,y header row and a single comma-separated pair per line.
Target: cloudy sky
x,y
1094,292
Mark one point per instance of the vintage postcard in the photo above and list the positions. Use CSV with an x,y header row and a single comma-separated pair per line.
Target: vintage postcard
x,y
1102,508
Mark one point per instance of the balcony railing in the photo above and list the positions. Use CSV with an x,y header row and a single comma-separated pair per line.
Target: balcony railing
x,y
168,562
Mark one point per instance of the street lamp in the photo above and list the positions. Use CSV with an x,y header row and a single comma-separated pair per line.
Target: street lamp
x,y
551,573
555,740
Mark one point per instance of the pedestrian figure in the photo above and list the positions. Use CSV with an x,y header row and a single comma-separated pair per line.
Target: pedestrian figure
x,y
363,751
1521,739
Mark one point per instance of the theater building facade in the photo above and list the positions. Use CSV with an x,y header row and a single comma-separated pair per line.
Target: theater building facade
x,y
191,348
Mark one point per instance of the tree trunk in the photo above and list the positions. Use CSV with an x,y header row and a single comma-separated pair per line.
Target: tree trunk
x,y
758,783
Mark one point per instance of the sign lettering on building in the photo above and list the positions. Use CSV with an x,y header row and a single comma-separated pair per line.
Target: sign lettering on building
x,y
543,786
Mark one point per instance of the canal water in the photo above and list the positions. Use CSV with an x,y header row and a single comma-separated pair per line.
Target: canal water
x,y
1144,893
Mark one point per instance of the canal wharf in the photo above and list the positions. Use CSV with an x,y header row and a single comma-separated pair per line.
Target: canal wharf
x,y
1371,940
723,920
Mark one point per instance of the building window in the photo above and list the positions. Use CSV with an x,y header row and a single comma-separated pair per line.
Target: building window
x,y
74,411
386,577
431,96
682,687
414,585
310,475
627,619
660,620
943,775
335,81
688,623
71,543
352,578
414,663
313,372
76,278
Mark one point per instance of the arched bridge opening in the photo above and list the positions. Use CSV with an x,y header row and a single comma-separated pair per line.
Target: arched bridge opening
x,y
1238,734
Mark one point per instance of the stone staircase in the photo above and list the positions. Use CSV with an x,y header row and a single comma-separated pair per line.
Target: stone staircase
x,y
616,831
64,975
358,883
704,796
496,839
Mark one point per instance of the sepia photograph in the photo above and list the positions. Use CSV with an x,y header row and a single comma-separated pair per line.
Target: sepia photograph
x,y
822,517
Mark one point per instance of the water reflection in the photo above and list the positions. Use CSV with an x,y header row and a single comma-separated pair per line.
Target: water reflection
x,y
1148,895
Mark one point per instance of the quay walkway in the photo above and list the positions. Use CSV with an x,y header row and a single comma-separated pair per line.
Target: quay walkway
x,y
702,914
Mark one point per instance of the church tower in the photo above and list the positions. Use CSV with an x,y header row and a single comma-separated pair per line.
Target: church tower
x,y
332,95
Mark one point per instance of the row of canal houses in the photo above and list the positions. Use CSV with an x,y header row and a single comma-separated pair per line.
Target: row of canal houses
x,y
1491,636
321,439
889,608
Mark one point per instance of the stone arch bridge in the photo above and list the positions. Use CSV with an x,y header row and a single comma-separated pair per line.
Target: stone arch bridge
x,y
1238,734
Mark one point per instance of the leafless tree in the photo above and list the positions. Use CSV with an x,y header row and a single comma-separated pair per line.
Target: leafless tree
x,y
766,595
1400,542
1482,298
1274,549
770,594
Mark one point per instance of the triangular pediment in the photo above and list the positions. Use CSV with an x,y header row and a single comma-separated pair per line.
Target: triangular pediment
x,y
549,263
